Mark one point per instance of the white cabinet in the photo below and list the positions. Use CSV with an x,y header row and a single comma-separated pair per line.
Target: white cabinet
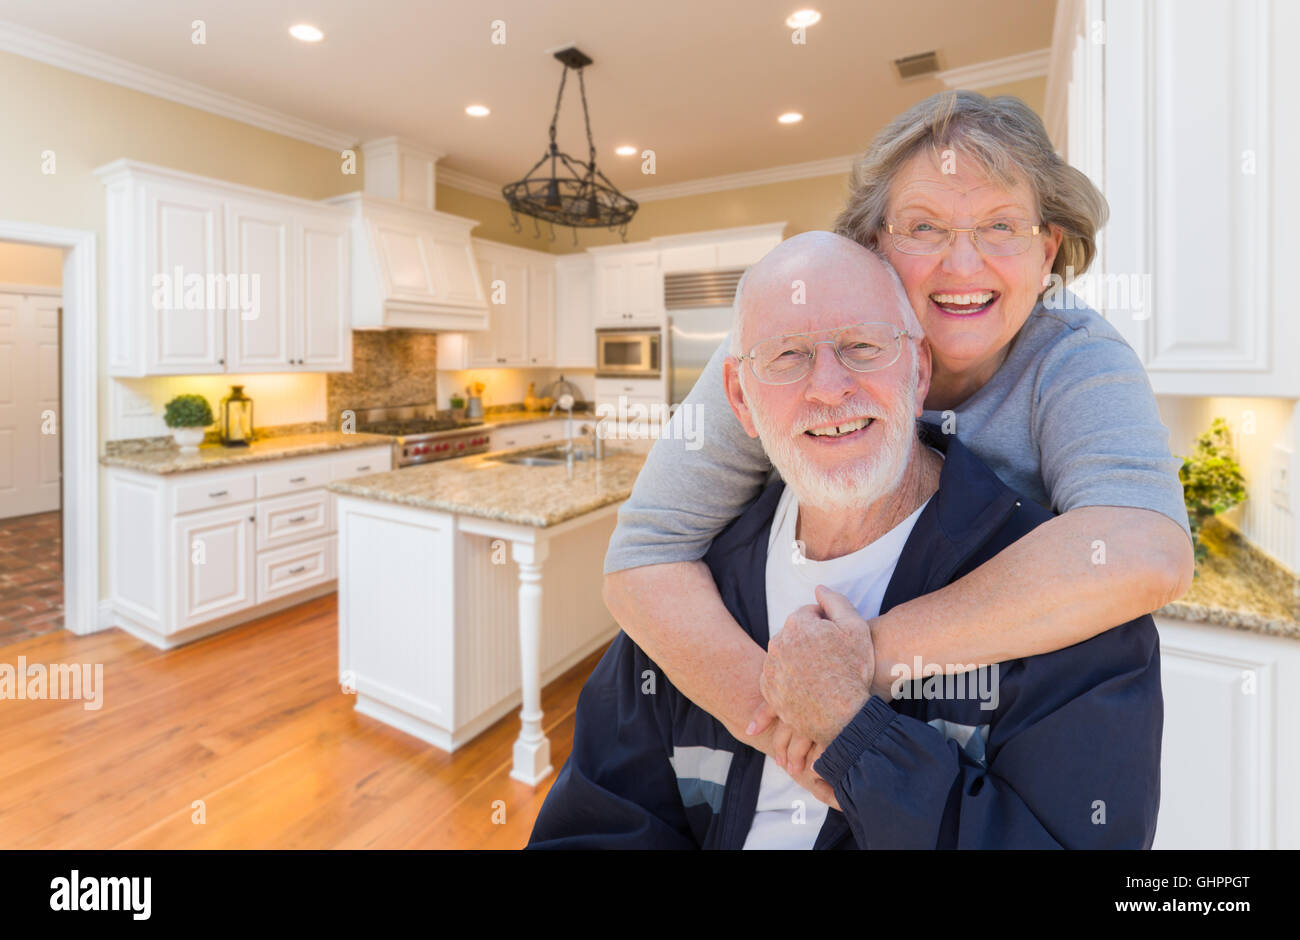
x,y
1230,757
210,277
196,552
177,325
520,288
629,288
575,312
213,560
259,319
531,433
718,249
1181,118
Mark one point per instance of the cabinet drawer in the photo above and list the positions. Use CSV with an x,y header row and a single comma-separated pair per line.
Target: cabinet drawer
x,y
361,463
293,518
298,476
295,567
213,493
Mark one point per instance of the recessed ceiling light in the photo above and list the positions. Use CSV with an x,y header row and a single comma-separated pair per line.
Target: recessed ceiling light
x,y
478,110
626,150
790,117
802,18
306,32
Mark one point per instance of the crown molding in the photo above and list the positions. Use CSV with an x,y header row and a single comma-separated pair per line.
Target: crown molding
x,y
31,44
467,183
831,166
1014,68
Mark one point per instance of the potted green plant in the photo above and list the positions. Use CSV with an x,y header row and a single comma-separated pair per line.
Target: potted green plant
x,y
1212,480
187,416
457,405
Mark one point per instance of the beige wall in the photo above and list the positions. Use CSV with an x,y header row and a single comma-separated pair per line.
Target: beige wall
x,y
30,265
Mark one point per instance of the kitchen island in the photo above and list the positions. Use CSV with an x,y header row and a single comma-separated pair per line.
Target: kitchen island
x,y
467,584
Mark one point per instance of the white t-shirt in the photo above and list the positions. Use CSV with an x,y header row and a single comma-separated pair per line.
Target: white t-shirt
x,y
788,816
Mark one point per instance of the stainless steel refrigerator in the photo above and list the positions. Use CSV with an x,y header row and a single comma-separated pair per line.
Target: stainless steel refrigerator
x,y
698,306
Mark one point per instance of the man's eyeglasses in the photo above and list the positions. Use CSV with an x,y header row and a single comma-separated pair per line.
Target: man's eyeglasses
x,y
862,347
999,237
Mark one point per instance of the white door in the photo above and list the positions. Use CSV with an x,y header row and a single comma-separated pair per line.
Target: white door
x,y
183,251
480,345
260,296
541,314
29,404
324,300
214,564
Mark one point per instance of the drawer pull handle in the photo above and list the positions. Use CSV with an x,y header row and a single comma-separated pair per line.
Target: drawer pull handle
x,y
298,480
219,493
297,519
366,467
299,570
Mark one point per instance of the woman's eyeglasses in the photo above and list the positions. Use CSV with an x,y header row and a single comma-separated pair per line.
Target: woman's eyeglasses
x,y
998,237
862,347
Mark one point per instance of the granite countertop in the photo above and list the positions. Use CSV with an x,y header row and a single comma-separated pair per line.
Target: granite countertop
x,y
481,485
523,417
1238,586
168,459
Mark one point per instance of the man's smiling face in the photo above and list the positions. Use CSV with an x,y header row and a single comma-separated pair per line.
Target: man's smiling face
x,y
838,437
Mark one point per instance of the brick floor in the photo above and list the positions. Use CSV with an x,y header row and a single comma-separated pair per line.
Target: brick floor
x,y
31,576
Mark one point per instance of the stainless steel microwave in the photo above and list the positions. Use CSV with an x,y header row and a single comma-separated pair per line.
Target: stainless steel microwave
x,y
628,352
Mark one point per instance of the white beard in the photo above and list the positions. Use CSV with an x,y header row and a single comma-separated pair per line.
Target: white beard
x,y
854,486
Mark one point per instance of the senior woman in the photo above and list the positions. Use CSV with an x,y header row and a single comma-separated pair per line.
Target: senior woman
x,y
965,196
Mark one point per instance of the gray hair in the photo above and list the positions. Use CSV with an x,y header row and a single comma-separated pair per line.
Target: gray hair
x,y
1006,139
910,321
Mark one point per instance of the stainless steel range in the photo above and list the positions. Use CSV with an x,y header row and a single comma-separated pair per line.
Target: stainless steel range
x,y
421,436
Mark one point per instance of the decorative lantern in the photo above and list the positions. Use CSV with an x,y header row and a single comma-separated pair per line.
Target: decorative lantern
x,y
236,418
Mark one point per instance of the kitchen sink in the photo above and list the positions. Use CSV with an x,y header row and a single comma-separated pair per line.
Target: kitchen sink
x,y
553,457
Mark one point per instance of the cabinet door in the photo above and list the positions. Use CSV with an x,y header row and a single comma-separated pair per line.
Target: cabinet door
x,y
480,345
645,300
213,564
510,319
260,296
611,293
325,301
541,314
183,251
575,316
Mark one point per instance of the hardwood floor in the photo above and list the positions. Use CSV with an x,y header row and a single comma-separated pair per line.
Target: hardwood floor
x,y
253,724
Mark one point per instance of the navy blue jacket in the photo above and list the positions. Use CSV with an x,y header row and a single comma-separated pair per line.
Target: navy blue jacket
x,y
1068,758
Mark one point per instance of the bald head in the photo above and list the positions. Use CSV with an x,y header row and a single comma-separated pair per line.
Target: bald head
x,y
812,276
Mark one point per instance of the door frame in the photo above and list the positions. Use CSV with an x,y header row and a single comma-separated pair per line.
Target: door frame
x,y
79,411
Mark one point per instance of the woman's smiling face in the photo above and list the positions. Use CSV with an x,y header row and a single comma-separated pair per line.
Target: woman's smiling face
x,y
970,305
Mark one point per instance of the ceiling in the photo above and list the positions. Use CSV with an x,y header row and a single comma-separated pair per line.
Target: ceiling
x,y
700,82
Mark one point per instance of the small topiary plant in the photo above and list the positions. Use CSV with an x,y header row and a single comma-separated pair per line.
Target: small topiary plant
x,y
1212,480
188,411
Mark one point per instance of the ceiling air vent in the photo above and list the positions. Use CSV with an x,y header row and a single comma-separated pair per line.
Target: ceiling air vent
x,y
701,289
914,66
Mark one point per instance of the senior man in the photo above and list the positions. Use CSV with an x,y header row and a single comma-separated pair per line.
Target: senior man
x,y
1057,750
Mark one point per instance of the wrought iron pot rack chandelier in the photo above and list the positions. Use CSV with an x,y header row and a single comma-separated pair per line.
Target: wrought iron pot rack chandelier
x,y
563,190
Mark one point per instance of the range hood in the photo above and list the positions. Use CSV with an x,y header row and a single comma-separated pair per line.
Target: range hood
x,y
412,266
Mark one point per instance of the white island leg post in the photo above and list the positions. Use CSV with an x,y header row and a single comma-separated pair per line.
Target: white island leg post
x,y
532,763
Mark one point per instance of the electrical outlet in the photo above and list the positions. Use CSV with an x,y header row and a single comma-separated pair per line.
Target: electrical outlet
x,y
1280,477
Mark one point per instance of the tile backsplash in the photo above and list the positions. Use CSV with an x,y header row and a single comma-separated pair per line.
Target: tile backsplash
x,y
389,368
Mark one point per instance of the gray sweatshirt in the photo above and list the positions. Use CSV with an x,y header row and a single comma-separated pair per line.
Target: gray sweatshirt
x,y
1068,420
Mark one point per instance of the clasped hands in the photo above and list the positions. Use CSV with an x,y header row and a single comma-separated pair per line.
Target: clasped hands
x,y
817,676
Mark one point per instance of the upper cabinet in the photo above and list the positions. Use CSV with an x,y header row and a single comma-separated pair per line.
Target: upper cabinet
x,y
209,277
575,311
717,250
629,287
519,286
1195,258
